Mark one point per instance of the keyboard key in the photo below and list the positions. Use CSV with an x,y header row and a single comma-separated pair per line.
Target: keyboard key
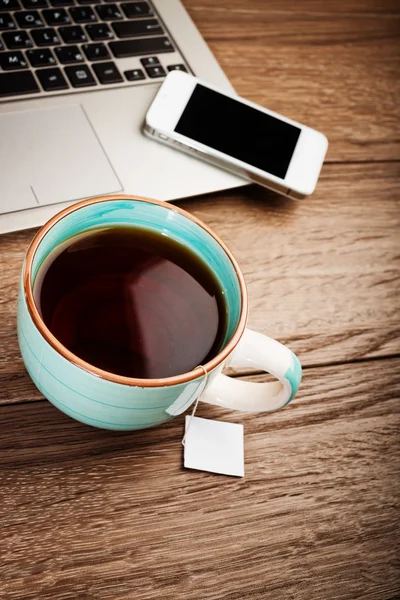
x,y
1,46
86,1
29,19
150,61
156,71
35,3
177,68
126,29
99,32
45,37
135,10
52,79
17,39
80,76
58,3
68,55
110,12
107,72
96,51
41,58
6,22
134,75
82,14
9,5
56,16
73,34
16,83
142,46
10,61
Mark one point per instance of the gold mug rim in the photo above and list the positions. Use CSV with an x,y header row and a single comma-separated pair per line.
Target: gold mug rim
x,y
107,375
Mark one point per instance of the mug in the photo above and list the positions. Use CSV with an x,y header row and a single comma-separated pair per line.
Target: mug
x,y
110,401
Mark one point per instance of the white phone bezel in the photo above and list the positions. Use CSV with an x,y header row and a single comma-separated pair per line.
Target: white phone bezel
x,y
170,102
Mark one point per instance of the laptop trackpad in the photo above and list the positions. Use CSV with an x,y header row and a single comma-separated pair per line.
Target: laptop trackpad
x,y
56,157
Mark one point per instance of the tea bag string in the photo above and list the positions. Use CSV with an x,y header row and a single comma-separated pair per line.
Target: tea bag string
x,y
197,401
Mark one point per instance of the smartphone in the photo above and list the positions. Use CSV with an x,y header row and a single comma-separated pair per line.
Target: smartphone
x,y
237,135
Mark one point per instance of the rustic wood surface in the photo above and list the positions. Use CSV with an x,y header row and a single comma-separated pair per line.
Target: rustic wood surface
x,y
331,64
88,514
95,514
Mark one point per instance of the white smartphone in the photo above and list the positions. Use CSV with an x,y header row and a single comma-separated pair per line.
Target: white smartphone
x,y
237,135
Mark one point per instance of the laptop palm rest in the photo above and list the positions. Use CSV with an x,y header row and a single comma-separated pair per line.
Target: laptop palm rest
x,y
51,164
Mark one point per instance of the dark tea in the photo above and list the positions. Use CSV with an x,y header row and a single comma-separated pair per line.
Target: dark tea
x,y
132,302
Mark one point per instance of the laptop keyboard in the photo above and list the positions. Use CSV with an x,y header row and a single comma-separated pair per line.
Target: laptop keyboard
x,y
64,46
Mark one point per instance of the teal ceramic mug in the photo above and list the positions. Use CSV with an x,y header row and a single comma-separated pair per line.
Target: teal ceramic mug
x,y
111,401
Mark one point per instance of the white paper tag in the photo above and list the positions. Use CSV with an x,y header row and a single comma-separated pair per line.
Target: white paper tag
x,y
214,446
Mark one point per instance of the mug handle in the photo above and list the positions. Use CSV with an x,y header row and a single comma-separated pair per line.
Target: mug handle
x,y
257,351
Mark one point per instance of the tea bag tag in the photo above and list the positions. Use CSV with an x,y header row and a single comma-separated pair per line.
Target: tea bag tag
x,y
214,446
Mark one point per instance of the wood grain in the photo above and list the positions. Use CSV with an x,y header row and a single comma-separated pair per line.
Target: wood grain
x,y
332,65
95,515
322,274
98,515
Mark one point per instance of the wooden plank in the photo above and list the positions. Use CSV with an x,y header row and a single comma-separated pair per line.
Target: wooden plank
x,y
96,515
322,274
332,65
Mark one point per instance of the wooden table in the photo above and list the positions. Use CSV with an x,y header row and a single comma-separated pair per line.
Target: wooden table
x,y
90,514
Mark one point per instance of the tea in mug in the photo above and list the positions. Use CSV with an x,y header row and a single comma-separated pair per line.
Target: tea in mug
x,y
132,302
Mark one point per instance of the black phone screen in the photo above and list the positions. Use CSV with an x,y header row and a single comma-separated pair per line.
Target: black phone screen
x,y
239,130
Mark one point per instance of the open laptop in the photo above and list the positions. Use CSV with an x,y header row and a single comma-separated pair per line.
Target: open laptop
x,y
76,80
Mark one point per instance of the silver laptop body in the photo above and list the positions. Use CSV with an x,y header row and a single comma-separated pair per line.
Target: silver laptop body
x,y
62,145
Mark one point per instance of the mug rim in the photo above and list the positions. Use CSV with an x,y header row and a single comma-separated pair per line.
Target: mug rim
x,y
107,375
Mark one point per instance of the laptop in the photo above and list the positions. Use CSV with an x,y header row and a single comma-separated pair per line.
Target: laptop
x,y
76,80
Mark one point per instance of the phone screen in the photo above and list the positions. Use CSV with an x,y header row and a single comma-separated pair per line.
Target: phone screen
x,y
239,130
